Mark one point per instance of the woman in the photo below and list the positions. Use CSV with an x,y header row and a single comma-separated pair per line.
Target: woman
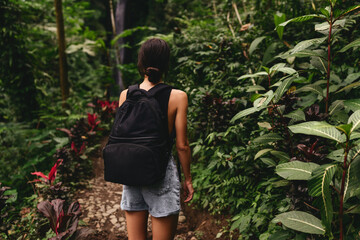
x,y
161,200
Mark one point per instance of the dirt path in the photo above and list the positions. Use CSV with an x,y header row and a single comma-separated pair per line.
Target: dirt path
x,y
101,211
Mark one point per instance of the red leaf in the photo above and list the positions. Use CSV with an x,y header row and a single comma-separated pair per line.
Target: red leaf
x,y
40,174
53,171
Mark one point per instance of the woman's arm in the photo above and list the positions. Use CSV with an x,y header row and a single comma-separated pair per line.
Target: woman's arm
x,y
182,143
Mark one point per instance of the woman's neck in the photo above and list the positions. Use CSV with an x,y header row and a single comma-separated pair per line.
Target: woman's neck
x,y
146,84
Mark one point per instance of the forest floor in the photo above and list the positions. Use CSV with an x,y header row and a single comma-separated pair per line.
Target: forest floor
x,y
101,211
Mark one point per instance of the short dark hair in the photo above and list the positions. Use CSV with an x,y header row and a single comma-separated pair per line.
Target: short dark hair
x,y
153,59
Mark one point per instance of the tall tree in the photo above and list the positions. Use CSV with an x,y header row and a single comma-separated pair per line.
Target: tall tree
x,y
64,84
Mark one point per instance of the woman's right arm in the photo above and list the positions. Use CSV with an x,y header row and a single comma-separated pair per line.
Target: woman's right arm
x,y
182,143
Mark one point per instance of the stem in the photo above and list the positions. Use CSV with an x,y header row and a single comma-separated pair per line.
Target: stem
x,y
341,209
285,128
329,62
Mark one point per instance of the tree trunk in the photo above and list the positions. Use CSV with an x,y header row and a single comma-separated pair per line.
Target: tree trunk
x,y
118,25
64,84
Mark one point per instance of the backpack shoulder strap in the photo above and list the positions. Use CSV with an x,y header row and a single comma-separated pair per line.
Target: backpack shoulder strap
x,y
131,89
136,90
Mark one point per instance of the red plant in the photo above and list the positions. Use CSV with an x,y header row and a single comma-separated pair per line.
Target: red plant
x,y
78,151
63,225
105,105
92,121
51,176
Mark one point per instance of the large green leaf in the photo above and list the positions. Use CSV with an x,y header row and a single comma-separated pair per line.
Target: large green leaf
x,y
284,86
301,19
319,186
352,104
296,170
268,138
254,44
355,120
321,129
301,221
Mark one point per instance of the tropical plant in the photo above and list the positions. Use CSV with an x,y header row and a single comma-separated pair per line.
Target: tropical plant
x,y
324,177
50,178
64,225
340,176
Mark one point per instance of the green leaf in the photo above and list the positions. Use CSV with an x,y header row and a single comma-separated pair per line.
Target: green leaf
x,y
355,120
255,88
311,88
254,44
284,86
297,115
262,152
301,19
278,19
350,86
306,44
352,104
319,63
321,129
324,27
296,170
301,221
268,161
353,44
301,54
265,100
350,9
345,128
354,153
319,185
280,155
353,180
354,135
259,74
335,106
337,155
268,138
244,113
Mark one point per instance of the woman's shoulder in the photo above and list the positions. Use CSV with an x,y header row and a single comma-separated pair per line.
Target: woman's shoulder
x,y
178,93
178,99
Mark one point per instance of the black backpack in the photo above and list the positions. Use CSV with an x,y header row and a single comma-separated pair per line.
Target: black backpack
x,y
138,149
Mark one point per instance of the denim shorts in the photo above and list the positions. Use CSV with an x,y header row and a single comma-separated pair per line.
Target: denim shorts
x,y
161,199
